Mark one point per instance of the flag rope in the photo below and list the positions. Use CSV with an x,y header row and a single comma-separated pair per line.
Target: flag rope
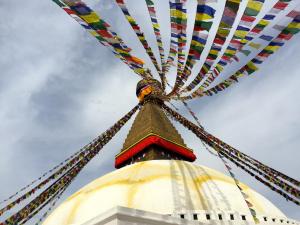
x,y
68,176
228,17
238,43
217,143
136,28
97,27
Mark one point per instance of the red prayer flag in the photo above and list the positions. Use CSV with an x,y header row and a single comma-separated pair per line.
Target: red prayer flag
x,y
104,33
265,55
285,36
280,5
151,9
248,18
225,57
219,41
255,30
69,11
293,14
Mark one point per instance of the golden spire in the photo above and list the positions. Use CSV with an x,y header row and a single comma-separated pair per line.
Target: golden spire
x,y
152,136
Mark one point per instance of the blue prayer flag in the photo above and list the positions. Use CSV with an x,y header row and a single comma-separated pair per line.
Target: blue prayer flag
x,y
243,28
256,61
198,39
248,38
266,37
273,43
269,17
206,9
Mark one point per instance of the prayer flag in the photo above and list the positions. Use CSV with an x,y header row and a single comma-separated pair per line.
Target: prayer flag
x,y
254,45
266,37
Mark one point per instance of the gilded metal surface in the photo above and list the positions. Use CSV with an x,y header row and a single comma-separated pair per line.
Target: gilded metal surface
x,y
151,119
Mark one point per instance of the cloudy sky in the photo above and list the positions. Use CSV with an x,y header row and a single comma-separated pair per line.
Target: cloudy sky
x,y
59,89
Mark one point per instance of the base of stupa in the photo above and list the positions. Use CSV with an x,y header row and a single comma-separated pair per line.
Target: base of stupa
x,y
128,216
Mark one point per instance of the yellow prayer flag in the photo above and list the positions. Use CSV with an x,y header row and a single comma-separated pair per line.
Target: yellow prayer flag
x,y
239,74
272,48
254,45
252,66
182,39
204,67
119,50
219,67
263,22
223,32
139,70
196,43
90,18
156,25
244,41
294,25
130,19
202,16
177,13
254,5
230,51
214,52
94,33
241,33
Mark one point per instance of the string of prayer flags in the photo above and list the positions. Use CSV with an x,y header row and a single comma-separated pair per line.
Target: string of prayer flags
x,y
237,183
279,6
37,203
51,207
68,176
156,29
247,20
252,9
238,157
180,12
227,20
91,21
269,177
237,46
178,19
174,37
45,174
203,22
138,32
53,200
286,34
238,162
181,31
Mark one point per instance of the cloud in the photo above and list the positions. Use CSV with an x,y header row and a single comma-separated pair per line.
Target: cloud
x,y
59,89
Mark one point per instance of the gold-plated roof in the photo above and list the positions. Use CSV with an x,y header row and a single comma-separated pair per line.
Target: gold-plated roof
x,y
152,120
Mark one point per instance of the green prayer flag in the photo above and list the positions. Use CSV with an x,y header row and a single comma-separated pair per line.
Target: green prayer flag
x,y
149,2
204,25
251,12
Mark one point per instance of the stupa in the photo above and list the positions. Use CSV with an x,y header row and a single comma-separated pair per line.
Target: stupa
x,y
157,183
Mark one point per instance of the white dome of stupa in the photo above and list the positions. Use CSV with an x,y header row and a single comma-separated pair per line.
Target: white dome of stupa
x,y
169,187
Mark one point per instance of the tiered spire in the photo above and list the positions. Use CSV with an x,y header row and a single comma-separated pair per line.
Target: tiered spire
x,y
152,136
